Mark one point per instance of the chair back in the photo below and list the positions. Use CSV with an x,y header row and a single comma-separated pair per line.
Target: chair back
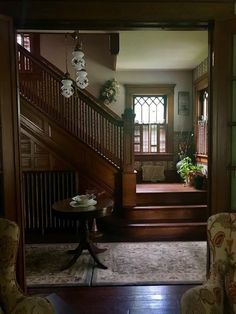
x,y
9,239
221,230
12,300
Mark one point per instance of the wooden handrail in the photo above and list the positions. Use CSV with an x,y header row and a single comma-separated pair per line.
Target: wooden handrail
x,y
82,115
58,74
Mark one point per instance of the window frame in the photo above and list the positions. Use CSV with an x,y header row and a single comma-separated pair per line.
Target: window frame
x,y
34,39
200,86
157,90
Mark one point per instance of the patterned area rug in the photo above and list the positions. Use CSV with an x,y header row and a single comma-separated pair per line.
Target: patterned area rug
x,y
44,263
129,263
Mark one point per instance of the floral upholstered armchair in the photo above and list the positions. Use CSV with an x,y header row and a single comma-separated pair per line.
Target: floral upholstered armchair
x,y
12,300
218,294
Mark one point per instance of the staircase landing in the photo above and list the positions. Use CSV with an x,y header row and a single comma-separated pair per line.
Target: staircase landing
x,y
164,187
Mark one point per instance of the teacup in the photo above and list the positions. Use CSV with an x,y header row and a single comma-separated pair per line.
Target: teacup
x,y
80,198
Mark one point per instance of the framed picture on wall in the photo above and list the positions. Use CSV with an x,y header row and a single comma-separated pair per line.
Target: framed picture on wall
x,y
183,103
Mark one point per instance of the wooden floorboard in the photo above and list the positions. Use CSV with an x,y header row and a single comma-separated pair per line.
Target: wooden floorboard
x,y
162,299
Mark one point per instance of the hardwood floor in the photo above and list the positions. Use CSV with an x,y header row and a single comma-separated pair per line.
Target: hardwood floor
x,y
164,187
164,299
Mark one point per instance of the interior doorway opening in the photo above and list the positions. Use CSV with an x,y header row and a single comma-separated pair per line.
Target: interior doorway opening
x,y
179,132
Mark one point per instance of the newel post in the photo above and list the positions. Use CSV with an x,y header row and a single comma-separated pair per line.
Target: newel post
x,y
128,173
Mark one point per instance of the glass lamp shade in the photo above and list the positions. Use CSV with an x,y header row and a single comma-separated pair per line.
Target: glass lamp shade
x,y
67,90
78,61
81,74
81,79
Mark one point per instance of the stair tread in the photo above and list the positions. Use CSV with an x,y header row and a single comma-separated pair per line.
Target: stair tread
x,y
124,222
164,224
146,207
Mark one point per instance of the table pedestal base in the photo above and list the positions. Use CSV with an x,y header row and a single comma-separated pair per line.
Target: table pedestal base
x,y
85,244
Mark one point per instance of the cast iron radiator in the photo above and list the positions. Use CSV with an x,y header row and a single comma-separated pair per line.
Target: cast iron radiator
x,y
40,190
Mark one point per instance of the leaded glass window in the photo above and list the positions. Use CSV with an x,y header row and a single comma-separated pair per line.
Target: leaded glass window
x,y
150,123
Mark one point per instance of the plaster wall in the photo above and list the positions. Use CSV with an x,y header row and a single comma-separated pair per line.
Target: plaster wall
x,y
54,48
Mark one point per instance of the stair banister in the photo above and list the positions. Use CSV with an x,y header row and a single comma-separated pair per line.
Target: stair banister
x,y
128,171
109,135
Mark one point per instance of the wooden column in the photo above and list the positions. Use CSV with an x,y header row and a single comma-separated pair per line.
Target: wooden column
x,y
128,173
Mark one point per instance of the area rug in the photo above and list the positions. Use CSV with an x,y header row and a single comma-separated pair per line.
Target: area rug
x,y
44,263
129,263
152,263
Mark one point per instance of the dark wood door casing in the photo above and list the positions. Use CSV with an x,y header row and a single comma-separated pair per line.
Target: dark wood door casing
x,y
9,112
221,115
113,15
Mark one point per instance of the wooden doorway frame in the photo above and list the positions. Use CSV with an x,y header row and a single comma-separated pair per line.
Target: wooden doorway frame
x,y
117,14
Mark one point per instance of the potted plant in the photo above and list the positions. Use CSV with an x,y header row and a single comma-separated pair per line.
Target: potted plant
x,y
200,181
188,170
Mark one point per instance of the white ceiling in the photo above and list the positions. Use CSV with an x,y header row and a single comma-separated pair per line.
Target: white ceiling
x,y
161,49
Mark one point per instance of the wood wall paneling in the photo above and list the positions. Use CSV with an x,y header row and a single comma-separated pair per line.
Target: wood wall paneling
x,y
36,156
72,151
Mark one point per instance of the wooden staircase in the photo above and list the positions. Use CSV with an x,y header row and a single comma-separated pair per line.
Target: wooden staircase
x,y
100,151
163,212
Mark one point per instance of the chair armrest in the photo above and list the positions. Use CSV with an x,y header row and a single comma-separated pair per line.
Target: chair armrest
x,y
207,298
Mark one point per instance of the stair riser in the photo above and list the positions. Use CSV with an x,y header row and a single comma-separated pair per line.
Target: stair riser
x,y
196,214
171,198
196,233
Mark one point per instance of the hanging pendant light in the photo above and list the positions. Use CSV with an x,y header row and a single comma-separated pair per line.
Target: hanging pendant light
x,y
78,63
67,89
81,79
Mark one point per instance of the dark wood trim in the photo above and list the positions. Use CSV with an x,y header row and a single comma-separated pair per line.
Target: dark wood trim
x,y
153,157
10,137
221,115
108,14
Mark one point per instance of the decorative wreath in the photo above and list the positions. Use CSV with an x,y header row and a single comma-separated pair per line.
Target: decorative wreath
x,y
109,91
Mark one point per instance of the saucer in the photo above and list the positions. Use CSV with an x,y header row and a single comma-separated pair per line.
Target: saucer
x,y
83,204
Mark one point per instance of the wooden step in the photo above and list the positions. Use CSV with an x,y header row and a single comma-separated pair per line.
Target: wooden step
x,y
169,194
154,231
197,197
167,231
172,213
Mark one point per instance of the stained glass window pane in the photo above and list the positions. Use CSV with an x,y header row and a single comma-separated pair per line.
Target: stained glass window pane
x,y
138,113
150,114
153,113
153,109
160,113
145,113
